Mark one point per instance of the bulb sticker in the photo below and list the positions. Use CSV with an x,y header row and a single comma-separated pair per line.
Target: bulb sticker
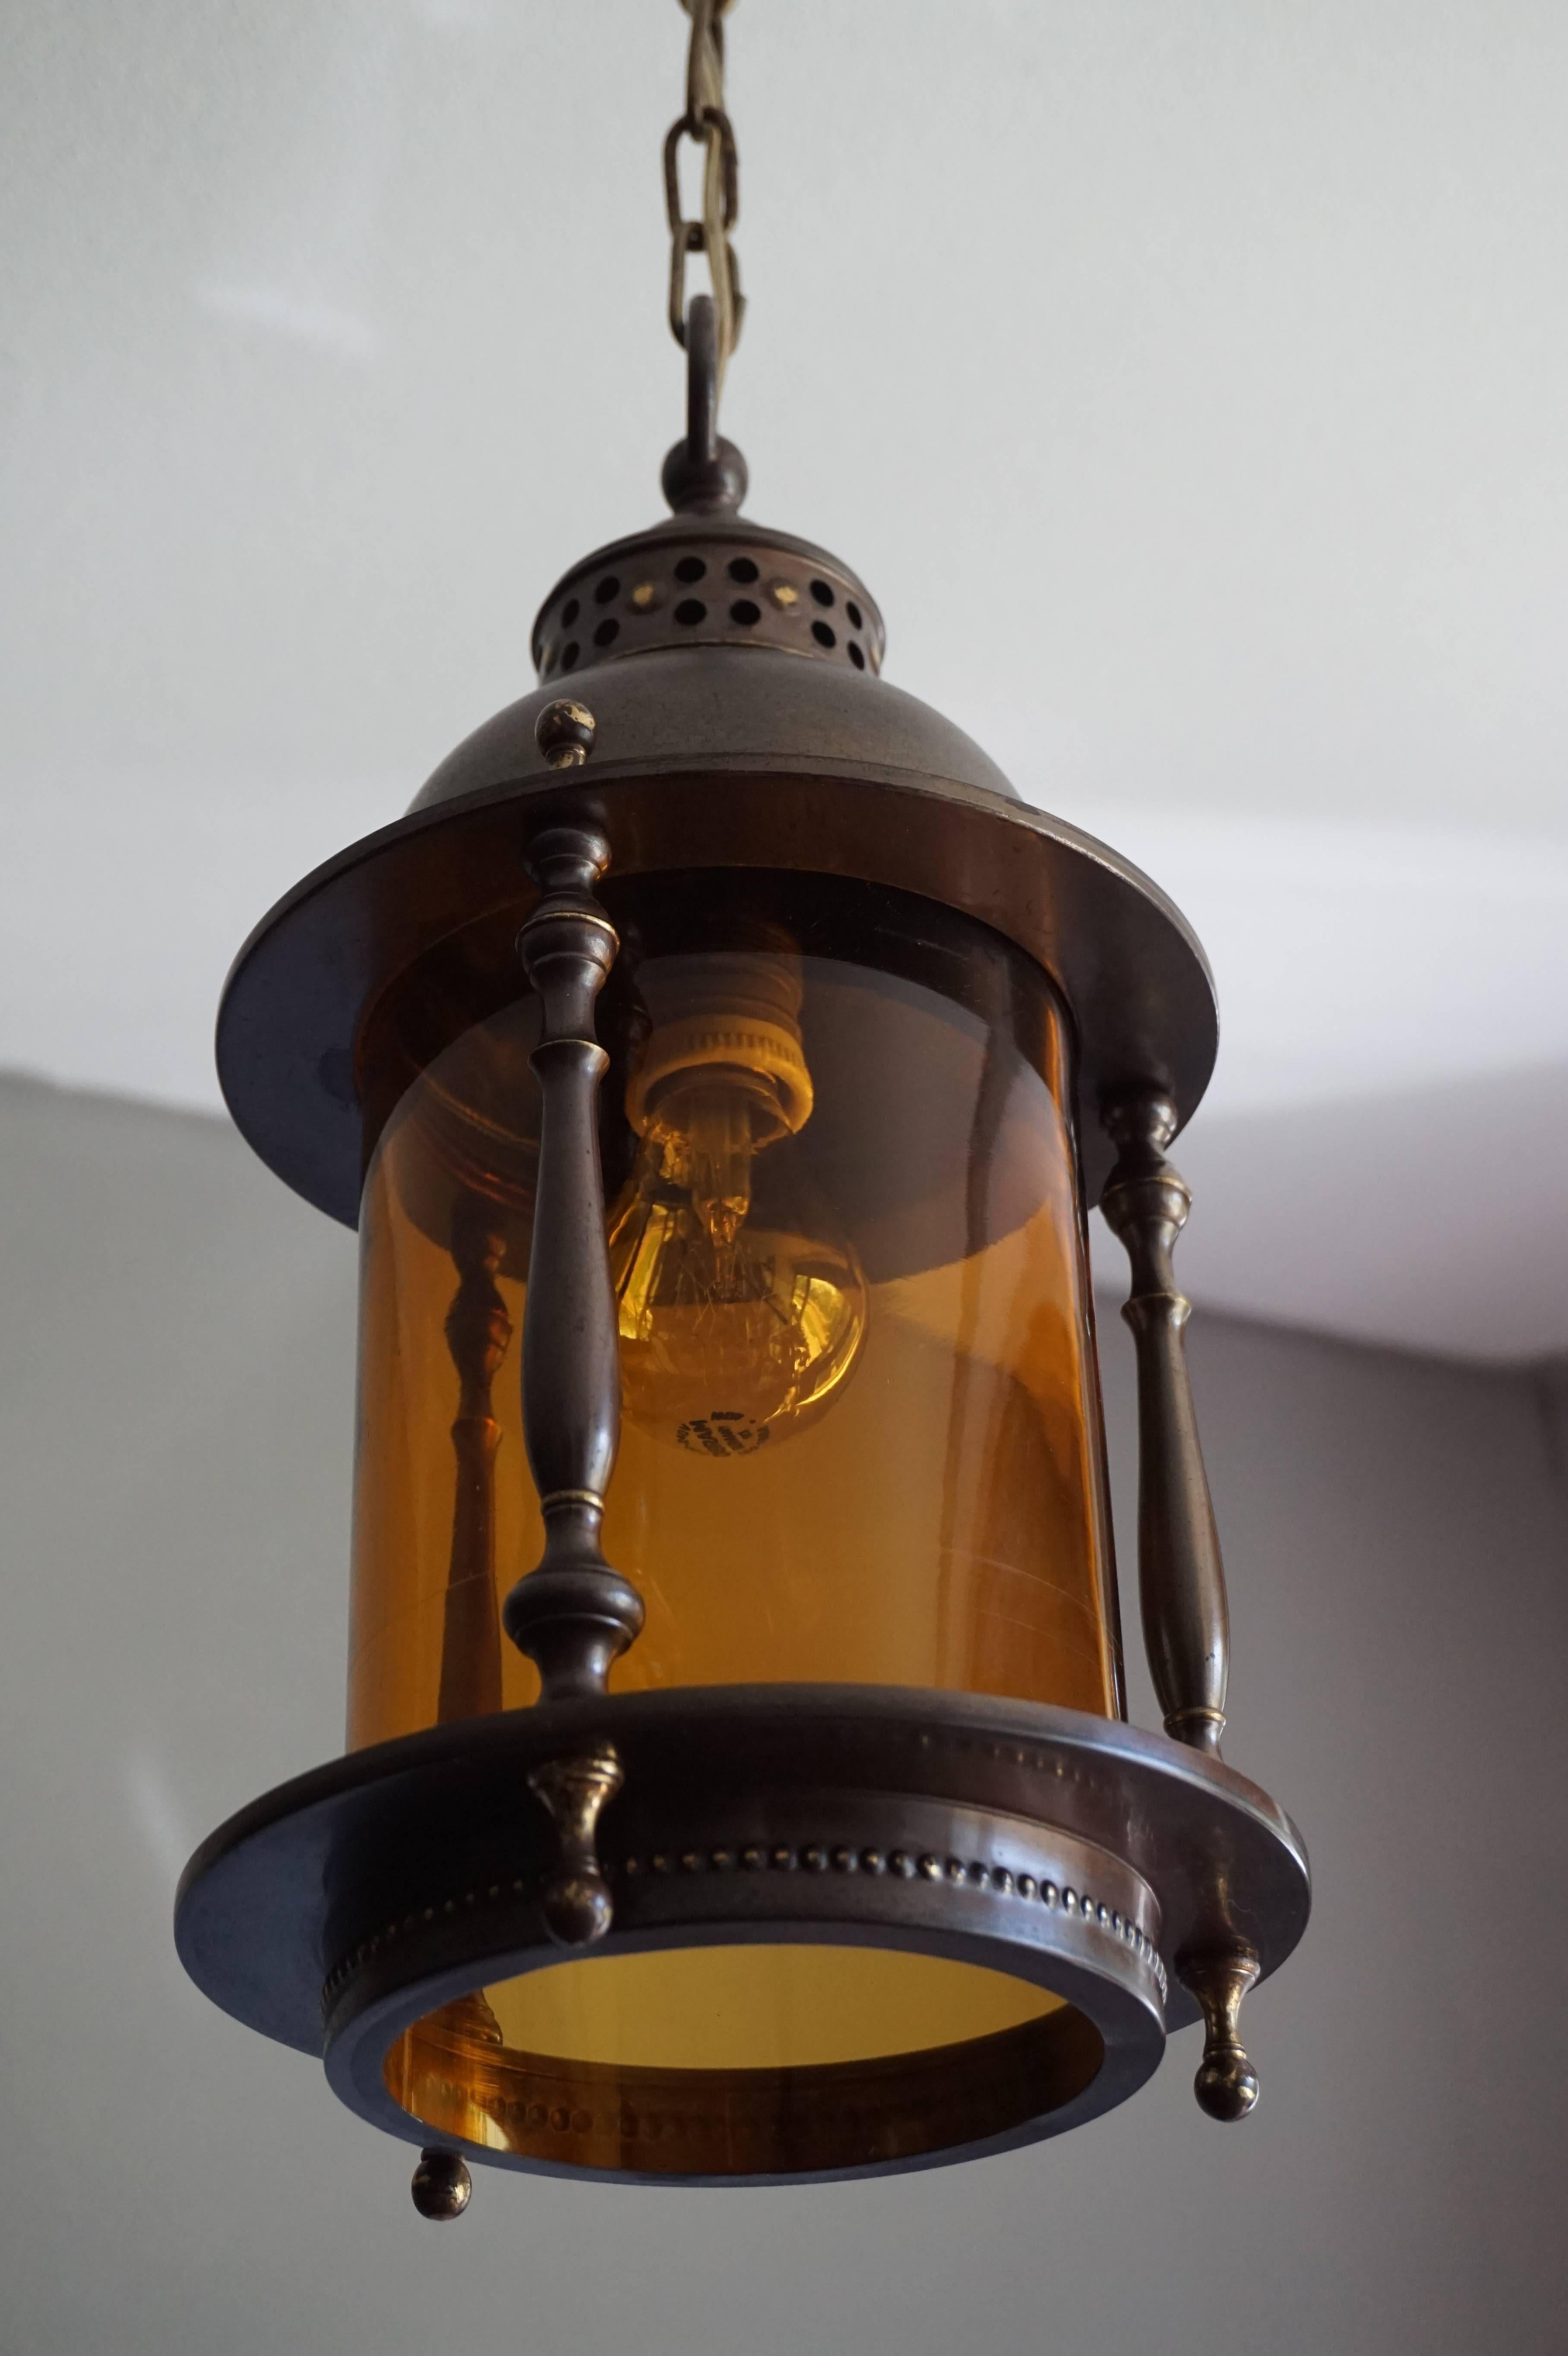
x,y
724,1432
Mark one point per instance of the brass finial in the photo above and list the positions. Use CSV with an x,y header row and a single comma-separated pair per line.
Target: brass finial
x,y
442,2187
1226,2085
577,1903
564,732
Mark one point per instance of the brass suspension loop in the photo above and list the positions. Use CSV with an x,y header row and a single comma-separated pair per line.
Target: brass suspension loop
x,y
707,121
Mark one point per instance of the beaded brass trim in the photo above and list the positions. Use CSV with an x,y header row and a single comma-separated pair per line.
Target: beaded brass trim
x,y
810,1856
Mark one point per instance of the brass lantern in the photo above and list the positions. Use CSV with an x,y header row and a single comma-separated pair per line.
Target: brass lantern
x,y
719,1062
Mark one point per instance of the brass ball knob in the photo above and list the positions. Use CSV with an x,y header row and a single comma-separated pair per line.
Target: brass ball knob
x,y
442,2187
564,732
578,1908
1226,2085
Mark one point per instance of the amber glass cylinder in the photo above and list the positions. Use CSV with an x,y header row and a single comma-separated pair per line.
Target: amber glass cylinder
x,y
861,1430
860,1444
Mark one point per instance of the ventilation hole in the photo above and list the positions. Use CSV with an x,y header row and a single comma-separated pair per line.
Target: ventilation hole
x,y
743,611
742,569
822,593
857,658
568,655
691,610
857,619
822,635
690,568
607,633
569,612
606,589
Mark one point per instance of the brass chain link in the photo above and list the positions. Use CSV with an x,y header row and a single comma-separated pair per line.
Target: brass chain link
x,y
706,121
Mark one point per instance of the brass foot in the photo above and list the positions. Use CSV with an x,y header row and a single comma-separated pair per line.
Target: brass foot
x,y
1226,2085
578,1908
442,2187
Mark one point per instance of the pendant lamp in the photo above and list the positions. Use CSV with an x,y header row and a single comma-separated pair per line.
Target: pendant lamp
x,y
719,1062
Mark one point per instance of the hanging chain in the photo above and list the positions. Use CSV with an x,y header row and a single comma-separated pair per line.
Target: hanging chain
x,y
706,121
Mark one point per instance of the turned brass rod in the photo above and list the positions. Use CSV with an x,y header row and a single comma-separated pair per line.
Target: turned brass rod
x,y
572,1614
1181,1579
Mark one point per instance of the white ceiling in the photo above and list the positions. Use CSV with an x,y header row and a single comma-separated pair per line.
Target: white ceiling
x,y
1189,381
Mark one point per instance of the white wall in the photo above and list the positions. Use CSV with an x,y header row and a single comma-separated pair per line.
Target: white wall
x,y
176,1380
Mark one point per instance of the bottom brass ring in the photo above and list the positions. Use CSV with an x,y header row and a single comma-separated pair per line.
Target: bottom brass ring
x,y
969,1917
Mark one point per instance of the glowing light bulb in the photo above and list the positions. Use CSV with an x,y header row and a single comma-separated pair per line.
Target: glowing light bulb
x,y
741,1309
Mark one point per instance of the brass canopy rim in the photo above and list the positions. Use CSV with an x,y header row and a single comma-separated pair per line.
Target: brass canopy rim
x,y
298,995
